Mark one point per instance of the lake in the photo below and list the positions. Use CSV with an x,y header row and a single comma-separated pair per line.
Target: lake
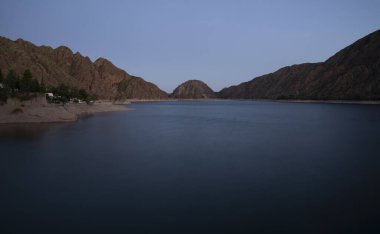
x,y
196,167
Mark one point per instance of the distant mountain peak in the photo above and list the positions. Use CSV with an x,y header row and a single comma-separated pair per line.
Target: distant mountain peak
x,y
101,61
193,89
63,48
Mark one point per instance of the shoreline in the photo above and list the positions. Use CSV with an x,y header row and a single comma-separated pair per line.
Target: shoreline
x,y
149,100
37,110
328,101
364,102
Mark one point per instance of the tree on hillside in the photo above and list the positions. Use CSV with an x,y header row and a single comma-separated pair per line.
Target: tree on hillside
x,y
27,74
63,91
1,76
83,94
28,84
35,86
3,90
74,92
12,81
26,81
43,88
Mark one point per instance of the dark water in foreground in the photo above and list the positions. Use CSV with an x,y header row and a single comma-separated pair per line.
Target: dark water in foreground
x,y
196,167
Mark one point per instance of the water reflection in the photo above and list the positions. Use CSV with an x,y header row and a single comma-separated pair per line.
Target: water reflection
x,y
24,130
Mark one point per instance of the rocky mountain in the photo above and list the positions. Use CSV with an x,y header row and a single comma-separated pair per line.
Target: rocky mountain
x,y
137,88
61,65
351,74
193,89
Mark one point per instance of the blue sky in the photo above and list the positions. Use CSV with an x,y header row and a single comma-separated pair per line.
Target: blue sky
x,y
170,41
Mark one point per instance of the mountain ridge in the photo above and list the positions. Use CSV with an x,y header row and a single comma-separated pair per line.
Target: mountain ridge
x,y
352,73
54,66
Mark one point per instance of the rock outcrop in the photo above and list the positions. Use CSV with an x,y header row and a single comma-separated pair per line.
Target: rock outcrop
x,y
193,89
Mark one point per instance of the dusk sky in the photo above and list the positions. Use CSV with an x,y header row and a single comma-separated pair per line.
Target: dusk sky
x,y
168,42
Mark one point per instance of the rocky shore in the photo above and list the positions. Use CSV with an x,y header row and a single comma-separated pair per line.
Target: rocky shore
x,y
37,110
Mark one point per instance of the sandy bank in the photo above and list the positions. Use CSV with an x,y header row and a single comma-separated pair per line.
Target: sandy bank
x,y
38,110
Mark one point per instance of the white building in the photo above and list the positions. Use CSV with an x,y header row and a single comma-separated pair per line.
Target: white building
x,y
49,95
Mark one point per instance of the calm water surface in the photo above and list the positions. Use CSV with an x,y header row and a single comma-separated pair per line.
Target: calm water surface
x,y
196,167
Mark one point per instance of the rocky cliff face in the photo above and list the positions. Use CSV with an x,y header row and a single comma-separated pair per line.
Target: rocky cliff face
x,y
193,89
61,65
351,74
137,88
